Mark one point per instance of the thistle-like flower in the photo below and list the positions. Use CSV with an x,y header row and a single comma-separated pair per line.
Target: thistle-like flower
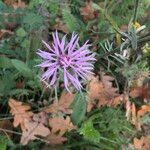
x,y
76,63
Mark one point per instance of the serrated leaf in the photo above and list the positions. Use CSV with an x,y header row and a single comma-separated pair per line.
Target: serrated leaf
x,y
19,92
33,129
70,20
33,21
61,125
25,43
89,132
79,108
22,68
21,32
20,113
7,83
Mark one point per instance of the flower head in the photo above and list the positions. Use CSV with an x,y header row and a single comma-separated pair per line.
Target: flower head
x,y
76,63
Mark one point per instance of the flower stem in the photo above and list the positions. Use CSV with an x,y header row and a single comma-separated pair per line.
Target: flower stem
x,y
56,95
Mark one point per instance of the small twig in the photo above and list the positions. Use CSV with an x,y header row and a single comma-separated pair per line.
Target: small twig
x,y
6,118
10,131
56,95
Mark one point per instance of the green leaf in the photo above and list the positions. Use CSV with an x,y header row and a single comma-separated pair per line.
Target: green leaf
x,y
25,43
33,3
79,108
32,21
3,142
5,62
145,119
21,32
97,7
19,92
70,20
6,83
22,68
89,132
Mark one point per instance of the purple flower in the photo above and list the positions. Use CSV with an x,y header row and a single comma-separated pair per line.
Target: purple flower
x,y
76,63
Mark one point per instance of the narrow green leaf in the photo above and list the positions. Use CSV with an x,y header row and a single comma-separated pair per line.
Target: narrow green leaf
x,y
22,68
79,108
97,7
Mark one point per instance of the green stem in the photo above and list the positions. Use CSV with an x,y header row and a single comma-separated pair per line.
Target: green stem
x,y
56,95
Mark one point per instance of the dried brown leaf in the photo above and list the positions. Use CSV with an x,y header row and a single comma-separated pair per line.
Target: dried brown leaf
x,y
144,109
55,139
15,4
60,25
33,129
88,12
141,92
134,116
61,125
63,104
138,143
131,114
103,92
142,144
4,32
128,110
20,113
116,101
41,117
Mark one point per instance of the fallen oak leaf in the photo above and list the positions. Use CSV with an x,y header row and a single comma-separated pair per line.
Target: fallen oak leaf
x,y
62,105
60,26
41,117
61,125
144,109
142,143
108,85
141,92
4,32
138,143
33,129
116,101
146,141
131,114
88,12
134,116
15,4
94,88
102,91
20,113
20,4
55,139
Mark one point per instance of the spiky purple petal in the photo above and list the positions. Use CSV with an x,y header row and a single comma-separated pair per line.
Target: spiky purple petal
x,y
75,62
